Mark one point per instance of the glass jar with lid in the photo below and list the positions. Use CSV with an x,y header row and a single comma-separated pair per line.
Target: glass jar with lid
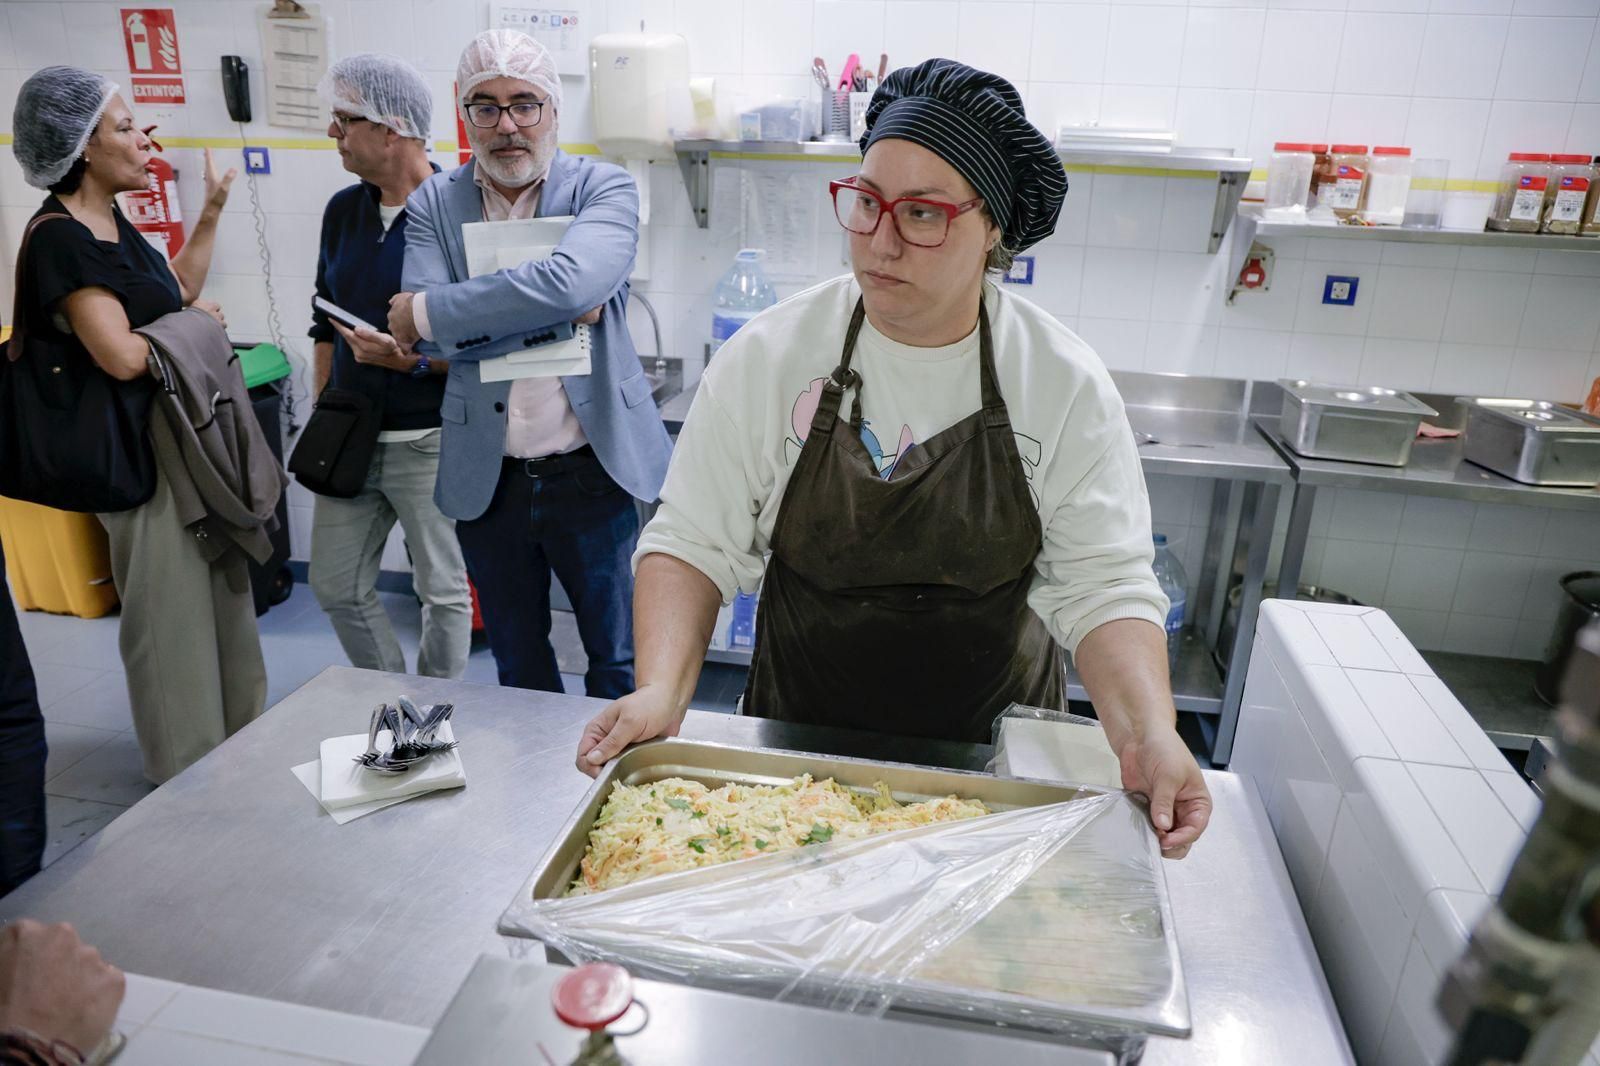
x,y
1519,205
1341,187
1571,181
1289,176
1388,182
1591,214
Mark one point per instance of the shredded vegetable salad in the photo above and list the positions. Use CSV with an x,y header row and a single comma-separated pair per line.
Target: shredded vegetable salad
x,y
676,824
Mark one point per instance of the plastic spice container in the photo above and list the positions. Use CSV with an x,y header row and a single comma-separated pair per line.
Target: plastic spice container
x,y
1388,182
1571,178
1524,182
1591,218
1289,175
1340,190
1321,170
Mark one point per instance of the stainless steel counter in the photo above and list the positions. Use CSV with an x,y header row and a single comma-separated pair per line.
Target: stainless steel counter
x,y
1436,469
230,876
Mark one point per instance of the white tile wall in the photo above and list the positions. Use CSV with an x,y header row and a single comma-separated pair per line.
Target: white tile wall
x,y
1128,269
1402,849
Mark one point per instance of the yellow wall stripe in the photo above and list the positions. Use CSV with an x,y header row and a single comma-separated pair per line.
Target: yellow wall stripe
x,y
307,144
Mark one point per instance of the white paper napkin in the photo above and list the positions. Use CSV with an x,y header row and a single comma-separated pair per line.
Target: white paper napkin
x,y
310,775
346,784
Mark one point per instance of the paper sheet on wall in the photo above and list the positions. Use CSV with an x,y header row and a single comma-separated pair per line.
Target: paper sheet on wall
x,y
495,246
779,214
296,54
564,27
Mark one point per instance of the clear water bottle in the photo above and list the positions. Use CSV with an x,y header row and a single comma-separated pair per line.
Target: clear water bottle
x,y
742,294
1174,582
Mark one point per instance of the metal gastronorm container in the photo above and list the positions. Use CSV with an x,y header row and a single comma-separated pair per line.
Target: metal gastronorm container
x,y
1532,441
1354,423
718,764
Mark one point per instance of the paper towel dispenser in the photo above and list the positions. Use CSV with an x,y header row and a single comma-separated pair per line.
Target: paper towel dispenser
x,y
639,89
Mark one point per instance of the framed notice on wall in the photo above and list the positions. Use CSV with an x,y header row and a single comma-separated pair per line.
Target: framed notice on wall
x,y
564,27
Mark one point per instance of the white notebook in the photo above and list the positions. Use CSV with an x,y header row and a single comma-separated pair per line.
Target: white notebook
x,y
495,246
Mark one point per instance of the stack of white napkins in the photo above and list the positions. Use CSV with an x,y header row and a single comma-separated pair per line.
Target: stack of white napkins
x,y
348,790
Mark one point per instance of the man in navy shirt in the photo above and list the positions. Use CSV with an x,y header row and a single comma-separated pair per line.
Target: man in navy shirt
x,y
381,113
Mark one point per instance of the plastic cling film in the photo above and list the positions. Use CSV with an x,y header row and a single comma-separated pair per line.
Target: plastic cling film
x,y
1049,917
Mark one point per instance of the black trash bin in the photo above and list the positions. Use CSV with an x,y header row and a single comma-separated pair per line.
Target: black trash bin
x,y
265,369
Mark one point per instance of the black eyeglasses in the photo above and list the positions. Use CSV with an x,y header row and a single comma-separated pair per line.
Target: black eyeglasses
x,y
487,116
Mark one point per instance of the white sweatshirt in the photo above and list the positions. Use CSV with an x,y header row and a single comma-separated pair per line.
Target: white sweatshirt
x,y
753,411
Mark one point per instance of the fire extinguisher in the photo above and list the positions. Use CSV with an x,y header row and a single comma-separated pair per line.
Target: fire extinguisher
x,y
154,210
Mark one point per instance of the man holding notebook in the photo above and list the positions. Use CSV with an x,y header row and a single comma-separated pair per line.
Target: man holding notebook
x,y
540,473
381,109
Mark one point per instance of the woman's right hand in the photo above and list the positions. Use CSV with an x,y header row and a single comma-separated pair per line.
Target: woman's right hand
x,y
212,308
645,714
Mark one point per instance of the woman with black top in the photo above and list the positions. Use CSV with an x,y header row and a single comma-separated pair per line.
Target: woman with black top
x,y
88,280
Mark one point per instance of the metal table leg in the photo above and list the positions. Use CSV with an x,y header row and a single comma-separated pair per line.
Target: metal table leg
x,y
1256,520
1294,542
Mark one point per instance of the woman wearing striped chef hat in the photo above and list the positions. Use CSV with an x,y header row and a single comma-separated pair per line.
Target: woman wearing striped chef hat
x,y
976,507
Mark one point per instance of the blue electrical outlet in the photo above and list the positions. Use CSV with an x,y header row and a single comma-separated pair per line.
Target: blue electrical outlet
x,y
1340,290
257,161
1021,272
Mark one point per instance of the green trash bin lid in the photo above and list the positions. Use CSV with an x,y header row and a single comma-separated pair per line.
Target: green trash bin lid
x,y
262,363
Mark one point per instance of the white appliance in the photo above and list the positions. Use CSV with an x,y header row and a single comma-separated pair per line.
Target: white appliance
x,y
639,90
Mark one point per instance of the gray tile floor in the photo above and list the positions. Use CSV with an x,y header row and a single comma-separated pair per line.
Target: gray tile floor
x,y
94,772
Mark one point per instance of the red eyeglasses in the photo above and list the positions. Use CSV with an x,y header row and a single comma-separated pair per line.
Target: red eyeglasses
x,y
924,223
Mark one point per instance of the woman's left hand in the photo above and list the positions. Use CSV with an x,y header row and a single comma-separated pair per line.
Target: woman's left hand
x,y
376,349
1161,767
212,308
217,187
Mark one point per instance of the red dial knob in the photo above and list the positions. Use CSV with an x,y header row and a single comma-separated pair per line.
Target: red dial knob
x,y
593,995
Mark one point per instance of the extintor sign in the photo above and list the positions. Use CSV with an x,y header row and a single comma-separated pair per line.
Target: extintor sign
x,y
150,35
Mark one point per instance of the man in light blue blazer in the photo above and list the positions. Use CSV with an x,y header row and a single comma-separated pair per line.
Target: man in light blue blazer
x,y
540,474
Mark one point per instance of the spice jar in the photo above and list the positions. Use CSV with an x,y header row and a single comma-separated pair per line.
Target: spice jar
x,y
1342,195
1591,215
1519,205
1289,176
1571,179
1321,171
1388,182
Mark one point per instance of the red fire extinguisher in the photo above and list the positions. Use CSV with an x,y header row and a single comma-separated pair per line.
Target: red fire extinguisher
x,y
154,210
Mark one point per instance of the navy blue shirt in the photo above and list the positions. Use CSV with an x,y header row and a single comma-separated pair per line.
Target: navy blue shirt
x,y
359,269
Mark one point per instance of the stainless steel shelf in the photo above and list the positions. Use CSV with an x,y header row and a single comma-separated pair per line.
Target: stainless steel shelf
x,y
1468,238
1436,468
1499,695
695,156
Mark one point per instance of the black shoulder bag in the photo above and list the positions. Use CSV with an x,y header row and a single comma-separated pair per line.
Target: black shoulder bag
x,y
335,449
71,436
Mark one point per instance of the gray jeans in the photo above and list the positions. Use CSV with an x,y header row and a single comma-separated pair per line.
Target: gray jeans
x,y
347,539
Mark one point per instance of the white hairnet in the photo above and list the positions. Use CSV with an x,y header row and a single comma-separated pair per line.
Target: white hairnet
x,y
57,109
381,88
506,54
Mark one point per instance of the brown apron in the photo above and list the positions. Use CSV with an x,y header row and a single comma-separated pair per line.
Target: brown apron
x,y
901,605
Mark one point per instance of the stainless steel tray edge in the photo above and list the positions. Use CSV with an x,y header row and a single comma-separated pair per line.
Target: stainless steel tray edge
x,y
1171,1017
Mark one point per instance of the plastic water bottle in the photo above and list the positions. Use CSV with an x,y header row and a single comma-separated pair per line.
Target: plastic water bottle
x,y
1174,582
743,293
742,627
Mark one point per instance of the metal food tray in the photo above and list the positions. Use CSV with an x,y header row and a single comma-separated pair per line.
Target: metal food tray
x,y
1351,423
718,764
1535,442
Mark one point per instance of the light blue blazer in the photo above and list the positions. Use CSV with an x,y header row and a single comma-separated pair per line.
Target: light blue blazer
x,y
479,318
